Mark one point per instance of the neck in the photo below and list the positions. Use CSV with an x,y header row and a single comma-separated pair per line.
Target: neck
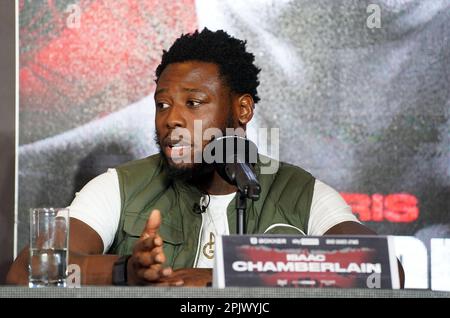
x,y
213,183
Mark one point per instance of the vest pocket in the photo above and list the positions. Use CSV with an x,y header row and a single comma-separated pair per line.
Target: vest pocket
x,y
134,224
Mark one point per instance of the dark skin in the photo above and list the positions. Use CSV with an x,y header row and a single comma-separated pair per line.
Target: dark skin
x,y
194,91
185,92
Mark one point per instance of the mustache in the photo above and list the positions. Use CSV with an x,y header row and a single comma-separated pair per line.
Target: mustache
x,y
162,142
169,141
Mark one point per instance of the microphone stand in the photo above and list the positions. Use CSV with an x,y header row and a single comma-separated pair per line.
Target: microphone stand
x,y
235,156
250,191
248,187
241,206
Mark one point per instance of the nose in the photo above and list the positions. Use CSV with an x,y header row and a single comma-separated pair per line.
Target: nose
x,y
175,117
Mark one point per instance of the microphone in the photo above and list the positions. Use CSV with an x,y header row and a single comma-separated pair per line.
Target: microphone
x,y
201,207
197,209
233,158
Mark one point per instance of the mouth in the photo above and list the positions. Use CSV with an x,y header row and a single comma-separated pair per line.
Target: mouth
x,y
177,149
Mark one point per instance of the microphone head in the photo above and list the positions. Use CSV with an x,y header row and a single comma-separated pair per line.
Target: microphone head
x,y
196,208
233,158
232,149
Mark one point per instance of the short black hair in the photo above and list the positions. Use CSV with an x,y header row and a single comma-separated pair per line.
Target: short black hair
x,y
236,65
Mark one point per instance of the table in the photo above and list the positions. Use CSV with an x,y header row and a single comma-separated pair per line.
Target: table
x,y
232,293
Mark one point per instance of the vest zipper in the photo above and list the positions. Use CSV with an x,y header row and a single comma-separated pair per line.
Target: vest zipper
x,y
198,244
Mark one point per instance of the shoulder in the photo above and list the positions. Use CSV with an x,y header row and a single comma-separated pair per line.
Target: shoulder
x,y
328,209
152,162
105,182
287,186
282,175
327,198
286,195
270,166
146,177
143,169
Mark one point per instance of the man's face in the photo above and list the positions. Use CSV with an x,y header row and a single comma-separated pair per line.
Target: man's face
x,y
186,92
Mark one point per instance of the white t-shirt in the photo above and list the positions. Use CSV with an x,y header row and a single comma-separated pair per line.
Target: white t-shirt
x,y
98,205
214,223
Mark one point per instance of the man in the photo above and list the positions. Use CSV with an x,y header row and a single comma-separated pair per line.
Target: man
x,y
146,213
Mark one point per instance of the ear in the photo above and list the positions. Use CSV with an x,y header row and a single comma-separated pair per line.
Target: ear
x,y
245,108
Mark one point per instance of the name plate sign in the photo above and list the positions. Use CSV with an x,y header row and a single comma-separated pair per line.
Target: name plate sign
x,y
308,261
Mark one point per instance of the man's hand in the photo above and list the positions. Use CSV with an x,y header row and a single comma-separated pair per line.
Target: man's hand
x,y
191,277
145,265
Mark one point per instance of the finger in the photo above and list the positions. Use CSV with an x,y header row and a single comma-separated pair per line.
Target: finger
x,y
148,243
166,271
144,244
146,259
177,282
151,274
153,241
152,225
159,256
154,273
170,279
158,241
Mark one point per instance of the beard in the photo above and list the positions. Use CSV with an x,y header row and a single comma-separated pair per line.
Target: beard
x,y
184,171
191,171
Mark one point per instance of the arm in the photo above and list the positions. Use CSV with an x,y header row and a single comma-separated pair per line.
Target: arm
x,y
86,247
145,268
359,229
95,215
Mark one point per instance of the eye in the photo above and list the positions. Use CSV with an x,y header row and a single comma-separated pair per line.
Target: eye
x,y
162,105
193,103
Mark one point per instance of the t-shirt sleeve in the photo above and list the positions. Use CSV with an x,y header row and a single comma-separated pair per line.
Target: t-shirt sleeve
x,y
98,205
328,209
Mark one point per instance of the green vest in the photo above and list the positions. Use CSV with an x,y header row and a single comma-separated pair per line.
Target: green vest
x,y
283,207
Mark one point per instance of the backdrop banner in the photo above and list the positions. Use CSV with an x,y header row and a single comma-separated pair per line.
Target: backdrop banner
x,y
358,89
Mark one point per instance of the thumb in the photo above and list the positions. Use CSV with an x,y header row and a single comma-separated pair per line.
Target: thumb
x,y
153,223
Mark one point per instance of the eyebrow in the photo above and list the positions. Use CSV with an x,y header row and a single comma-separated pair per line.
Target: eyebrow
x,y
160,90
193,90
190,90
